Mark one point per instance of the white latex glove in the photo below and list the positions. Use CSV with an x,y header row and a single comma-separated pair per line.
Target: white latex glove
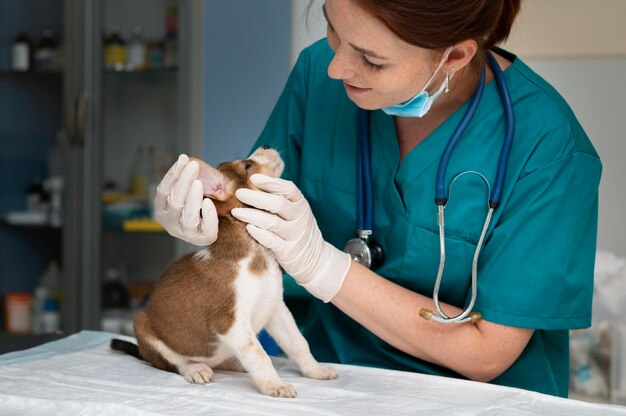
x,y
287,227
180,199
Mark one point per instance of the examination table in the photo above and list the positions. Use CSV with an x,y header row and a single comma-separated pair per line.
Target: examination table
x,y
80,375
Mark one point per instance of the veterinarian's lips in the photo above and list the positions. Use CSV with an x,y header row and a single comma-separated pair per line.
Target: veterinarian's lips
x,y
355,90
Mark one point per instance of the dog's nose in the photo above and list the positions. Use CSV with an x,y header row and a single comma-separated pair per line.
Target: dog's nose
x,y
265,147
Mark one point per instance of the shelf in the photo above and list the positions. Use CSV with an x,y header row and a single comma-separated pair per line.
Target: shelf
x,y
36,73
142,226
136,226
149,71
6,223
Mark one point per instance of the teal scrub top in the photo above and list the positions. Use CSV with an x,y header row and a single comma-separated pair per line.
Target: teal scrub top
x,y
536,267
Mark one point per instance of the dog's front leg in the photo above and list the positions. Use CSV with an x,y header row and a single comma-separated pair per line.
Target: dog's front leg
x,y
248,350
282,327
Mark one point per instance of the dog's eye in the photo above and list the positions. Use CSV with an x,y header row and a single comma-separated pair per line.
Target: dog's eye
x,y
247,164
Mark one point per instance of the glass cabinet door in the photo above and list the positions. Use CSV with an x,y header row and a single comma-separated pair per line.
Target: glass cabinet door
x,y
126,112
140,127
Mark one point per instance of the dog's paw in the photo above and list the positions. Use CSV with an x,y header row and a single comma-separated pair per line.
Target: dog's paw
x,y
321,372
197,373
278,390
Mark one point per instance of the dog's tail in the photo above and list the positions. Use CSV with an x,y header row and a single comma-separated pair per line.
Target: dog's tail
x,y
126,347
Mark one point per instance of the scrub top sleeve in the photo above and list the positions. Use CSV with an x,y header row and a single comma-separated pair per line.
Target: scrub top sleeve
x,y
536,269
284,128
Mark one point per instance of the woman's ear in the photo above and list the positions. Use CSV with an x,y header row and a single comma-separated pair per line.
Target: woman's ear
x,y
461,54
214,182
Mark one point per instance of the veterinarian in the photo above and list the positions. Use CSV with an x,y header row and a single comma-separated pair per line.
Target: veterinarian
x,y
403,75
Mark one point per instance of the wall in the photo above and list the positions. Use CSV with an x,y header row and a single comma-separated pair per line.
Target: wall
x,y
306,28
246,64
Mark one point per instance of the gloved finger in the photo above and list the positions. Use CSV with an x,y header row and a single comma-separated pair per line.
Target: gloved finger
x,y
209,222
190,215
276,204
179,193
276,186
167,183
286,230
260,218
265,238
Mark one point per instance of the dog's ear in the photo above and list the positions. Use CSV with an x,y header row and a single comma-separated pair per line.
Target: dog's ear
x,y
215,183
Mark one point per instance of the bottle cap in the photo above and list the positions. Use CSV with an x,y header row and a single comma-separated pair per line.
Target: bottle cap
x,y
51,305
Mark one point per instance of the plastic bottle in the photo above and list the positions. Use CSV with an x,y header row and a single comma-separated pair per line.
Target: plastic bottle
x,y
51,280
46,53
45,294
137,57
51,317
22,52
41,294
115,51
171,37
18,312
142,171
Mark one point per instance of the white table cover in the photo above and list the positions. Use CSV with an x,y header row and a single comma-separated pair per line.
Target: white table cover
x,y
80,375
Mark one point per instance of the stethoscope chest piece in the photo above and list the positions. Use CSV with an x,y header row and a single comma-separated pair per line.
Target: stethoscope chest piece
x,y
366,252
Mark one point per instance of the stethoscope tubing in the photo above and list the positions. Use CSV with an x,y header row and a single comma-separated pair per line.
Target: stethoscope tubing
x,y
509,118
365,204
440,191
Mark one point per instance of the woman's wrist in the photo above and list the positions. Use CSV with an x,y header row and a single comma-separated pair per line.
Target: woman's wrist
x,y
326,282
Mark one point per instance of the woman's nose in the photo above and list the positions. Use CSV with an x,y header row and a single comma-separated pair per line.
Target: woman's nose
x,y
340,67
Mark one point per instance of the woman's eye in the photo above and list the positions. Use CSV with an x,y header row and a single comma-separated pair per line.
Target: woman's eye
x,y
371,65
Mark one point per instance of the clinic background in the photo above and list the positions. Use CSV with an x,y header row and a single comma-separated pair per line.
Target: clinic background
x,y
228,60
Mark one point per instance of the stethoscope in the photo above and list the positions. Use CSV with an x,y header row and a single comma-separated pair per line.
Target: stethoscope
x,y
366,251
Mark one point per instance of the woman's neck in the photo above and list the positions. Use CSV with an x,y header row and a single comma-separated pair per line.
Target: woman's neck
x,y
413,130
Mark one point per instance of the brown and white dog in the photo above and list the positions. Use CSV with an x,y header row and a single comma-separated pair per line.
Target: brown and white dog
x,y
207,308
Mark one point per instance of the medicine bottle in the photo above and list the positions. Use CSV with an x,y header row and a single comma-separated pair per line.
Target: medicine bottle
x,y
17,312
115,51
141,171
137,56
21,53
46,56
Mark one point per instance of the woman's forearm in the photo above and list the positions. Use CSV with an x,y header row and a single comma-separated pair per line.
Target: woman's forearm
x,y
479,351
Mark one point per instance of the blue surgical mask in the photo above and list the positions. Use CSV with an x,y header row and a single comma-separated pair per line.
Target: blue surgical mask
x,y
419,105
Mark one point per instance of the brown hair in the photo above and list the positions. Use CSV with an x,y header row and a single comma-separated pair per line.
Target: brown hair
x,y
436,25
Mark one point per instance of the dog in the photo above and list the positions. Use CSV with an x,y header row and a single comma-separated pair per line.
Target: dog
x,y
207,308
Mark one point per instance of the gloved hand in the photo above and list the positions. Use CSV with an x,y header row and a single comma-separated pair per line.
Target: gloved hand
x,y
287,227
180,199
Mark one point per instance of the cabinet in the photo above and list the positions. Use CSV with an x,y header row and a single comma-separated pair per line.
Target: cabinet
x,y
30,119
226,56
104,115
110,113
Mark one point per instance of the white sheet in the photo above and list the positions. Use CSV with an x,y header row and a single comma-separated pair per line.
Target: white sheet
x,y
80,375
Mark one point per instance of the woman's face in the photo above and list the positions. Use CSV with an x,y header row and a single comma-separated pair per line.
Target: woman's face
x,y
378,69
